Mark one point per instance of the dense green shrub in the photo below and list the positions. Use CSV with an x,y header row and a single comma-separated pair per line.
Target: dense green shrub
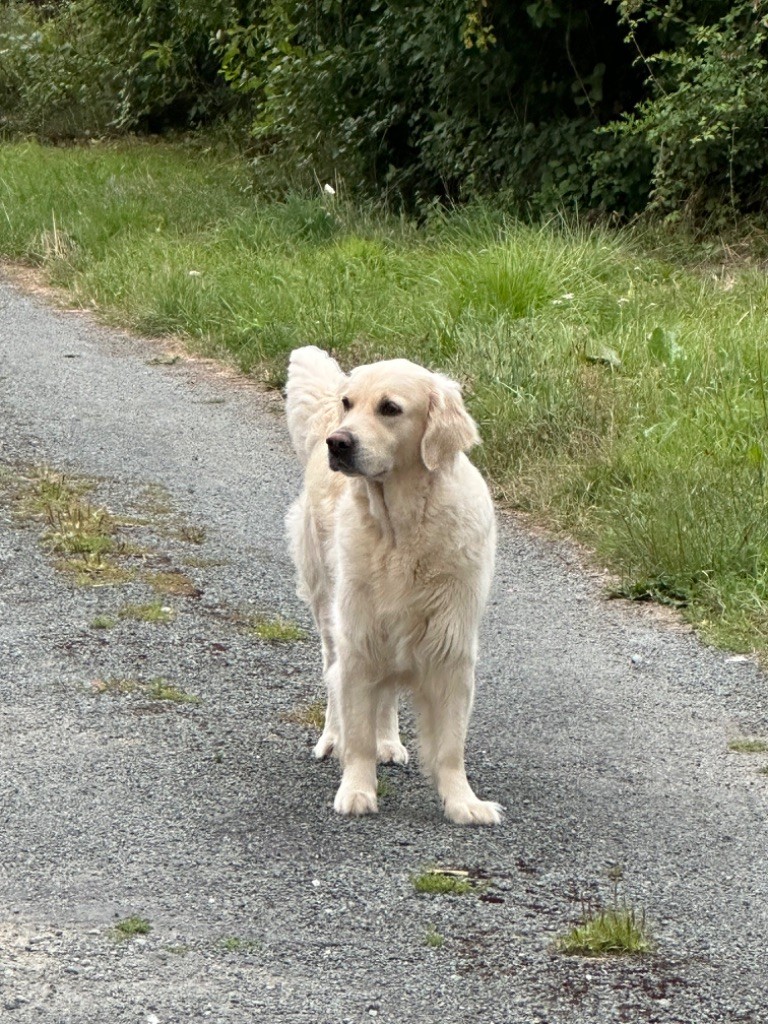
x,y
56,76
456,98
607,105
704,118
169,73
93,66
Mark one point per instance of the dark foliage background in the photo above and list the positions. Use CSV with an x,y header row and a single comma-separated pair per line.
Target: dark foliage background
x,y
610,107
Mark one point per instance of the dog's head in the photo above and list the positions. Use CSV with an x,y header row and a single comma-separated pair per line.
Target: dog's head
x,y
395,416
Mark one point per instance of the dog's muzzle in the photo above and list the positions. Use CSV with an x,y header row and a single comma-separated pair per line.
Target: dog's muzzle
x,y
342,451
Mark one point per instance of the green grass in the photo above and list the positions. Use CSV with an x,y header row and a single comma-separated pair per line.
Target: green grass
x,y
310,715
384,788
158,689
103,622
748,745
437,883
115,686
275,629
132,926
620,391
433,938
615,931
153,611
233,944
155,689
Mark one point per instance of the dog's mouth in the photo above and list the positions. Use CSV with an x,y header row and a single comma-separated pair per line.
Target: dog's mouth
x,y
339,464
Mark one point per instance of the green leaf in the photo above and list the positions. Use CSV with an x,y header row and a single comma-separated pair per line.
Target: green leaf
x,y
755,455
663,347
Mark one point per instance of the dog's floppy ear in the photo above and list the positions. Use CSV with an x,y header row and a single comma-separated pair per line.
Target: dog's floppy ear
x,y
450,429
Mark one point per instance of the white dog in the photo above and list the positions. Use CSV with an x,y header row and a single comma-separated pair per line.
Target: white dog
x,y
394,539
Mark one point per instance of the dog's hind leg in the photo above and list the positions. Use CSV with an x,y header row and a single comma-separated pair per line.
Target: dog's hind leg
x,y
329,740
389,748
323,615
314,587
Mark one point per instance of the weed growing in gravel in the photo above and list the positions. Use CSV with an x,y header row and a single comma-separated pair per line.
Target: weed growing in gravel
x,y
232,944
167,360
202,562
172,583
82,533
311,715
77,529
763,770
276,630
155,500
615,931
155,611
441,882
384,788
88,542
132,926
115,687
263,624
41,492
748,745
433,938
103,622
92,571
155,689
158,689
192,534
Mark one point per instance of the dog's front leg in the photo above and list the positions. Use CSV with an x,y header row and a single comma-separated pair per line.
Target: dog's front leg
x,y
445,704
358,704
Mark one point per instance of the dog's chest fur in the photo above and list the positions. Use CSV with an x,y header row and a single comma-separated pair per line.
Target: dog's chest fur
x,y
395,592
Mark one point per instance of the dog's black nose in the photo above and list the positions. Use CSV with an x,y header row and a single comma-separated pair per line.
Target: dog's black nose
x,y
341,444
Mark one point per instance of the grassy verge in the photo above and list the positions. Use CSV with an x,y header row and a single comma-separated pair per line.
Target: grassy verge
x,y
621,396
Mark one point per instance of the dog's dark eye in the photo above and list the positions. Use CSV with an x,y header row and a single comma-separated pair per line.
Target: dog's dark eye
x,y
346,404
388,408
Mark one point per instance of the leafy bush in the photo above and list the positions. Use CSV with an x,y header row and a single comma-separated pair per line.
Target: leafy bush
x,y
56,77
169,74
603,105
450,99
93,66
703,122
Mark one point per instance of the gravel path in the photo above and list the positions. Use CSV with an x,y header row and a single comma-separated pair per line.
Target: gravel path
x,y
602,730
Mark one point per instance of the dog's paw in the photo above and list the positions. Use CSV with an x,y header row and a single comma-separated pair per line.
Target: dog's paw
x,y
325,746
355,802
391,752
474,812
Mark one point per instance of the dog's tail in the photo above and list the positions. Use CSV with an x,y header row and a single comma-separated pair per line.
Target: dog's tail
x,y
313,390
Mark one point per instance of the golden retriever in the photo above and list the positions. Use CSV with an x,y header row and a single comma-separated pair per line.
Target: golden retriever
x,y
393,538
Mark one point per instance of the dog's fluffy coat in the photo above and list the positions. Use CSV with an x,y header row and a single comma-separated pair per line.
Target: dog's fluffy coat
x,y
394,553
